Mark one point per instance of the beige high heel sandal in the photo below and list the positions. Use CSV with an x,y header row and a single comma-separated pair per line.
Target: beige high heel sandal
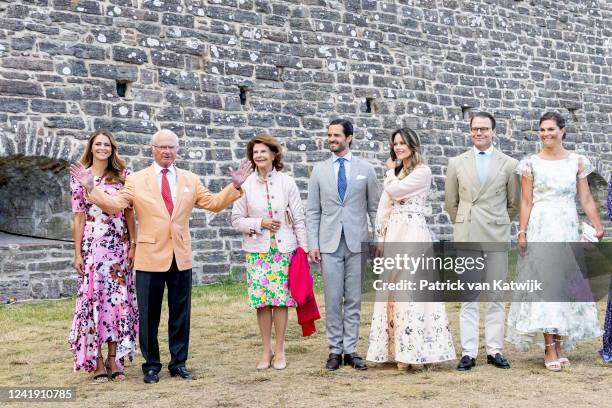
x,y
551,365
564,361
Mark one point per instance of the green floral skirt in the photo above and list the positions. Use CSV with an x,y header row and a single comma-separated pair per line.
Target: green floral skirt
x,y
268,279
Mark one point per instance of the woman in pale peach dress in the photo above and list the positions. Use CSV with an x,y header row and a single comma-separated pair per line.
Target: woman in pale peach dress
x,y
408,333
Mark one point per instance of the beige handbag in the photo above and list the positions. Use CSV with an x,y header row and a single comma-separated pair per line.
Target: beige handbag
x,y
288,216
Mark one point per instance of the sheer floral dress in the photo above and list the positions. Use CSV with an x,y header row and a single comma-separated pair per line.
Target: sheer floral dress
x,y
553,218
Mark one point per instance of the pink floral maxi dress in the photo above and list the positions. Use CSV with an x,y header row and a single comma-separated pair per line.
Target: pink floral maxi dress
x,y
106,309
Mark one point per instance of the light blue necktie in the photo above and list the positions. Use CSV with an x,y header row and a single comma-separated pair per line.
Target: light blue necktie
x,y
341,178
482,172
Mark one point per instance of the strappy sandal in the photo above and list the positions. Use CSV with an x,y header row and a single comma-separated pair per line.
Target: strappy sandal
x,y
115,375
551,365
564,361
102,377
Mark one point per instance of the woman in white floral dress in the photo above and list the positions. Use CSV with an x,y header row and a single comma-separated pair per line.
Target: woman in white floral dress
x,y
409,333
550,182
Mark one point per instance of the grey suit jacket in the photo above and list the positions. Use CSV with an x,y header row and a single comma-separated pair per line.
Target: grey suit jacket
x,y
327,215
482,213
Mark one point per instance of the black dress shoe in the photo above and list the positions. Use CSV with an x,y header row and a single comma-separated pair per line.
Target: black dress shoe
x,y
498,361
333,361
355,361
466,363
182,372
151,377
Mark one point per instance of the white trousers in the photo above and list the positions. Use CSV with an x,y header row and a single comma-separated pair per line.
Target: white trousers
x,y
495,315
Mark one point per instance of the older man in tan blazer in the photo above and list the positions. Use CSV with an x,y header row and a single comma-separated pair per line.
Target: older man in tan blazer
x,y
163,197
482,195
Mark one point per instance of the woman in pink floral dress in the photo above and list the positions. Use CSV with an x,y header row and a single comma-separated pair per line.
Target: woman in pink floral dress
x,y
106,310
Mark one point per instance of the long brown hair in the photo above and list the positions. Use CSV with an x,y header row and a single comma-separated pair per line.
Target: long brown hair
x,y
411,138
116,165
272,144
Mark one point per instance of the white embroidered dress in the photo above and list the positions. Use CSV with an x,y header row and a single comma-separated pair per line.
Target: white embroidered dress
x,y
553,218
407,332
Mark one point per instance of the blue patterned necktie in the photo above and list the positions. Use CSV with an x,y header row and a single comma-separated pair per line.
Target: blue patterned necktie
x,y
341,178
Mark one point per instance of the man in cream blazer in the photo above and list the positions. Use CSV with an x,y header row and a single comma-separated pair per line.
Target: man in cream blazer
x,y
342,193
163,197
482,195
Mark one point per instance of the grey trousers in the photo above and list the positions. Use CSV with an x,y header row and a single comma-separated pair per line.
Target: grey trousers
x,y
342,284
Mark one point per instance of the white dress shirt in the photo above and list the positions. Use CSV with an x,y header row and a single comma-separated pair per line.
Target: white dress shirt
x,y
347,165
171,176
482,163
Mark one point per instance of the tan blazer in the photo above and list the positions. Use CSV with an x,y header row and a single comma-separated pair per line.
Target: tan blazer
x,y
482,213
159,235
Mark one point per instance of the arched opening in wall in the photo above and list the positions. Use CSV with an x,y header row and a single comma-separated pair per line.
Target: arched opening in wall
x,y
35,197
35,225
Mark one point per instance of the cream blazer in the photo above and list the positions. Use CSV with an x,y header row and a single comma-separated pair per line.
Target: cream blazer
x,y
482,213
287,208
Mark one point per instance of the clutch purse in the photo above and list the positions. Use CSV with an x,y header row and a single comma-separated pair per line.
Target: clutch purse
x,y
588,233
288,217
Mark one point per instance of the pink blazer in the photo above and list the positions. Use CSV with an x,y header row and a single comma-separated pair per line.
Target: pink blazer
x,y
249,210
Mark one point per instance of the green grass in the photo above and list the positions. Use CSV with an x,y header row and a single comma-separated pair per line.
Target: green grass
x,y
36,312
225,346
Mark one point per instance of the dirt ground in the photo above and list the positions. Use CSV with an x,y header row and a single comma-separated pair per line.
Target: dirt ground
x,y
224,350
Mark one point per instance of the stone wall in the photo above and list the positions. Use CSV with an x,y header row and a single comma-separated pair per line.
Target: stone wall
x,y
35,269
219,71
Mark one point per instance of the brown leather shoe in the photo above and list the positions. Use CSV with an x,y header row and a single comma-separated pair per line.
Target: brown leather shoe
x,y
333,361
355,361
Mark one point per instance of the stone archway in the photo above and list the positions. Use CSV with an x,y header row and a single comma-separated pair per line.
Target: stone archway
x,y
35,229
35,197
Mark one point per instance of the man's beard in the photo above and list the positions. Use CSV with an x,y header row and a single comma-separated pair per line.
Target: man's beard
x,y
335,148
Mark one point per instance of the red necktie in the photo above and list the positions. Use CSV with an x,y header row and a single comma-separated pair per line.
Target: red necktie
x,y
166,194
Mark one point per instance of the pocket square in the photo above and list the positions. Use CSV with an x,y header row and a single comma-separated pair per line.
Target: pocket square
x,y
186,190
360,177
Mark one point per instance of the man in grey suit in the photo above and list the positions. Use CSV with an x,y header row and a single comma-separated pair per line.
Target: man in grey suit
x,y
482,195
342,193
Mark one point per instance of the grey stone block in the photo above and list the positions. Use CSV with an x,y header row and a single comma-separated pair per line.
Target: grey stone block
x,y
20,88
130,55
47,106
13,105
